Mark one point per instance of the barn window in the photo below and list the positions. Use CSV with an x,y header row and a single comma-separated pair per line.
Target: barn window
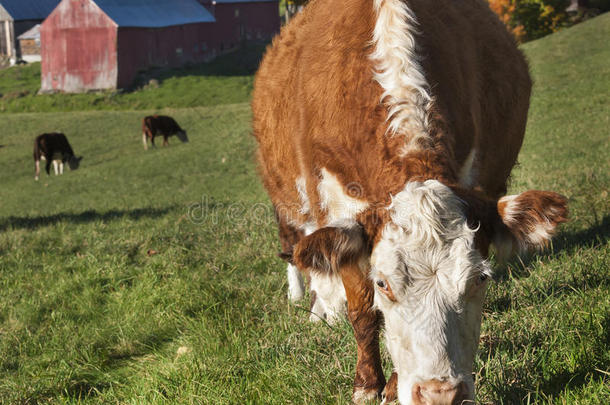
x,y
236,12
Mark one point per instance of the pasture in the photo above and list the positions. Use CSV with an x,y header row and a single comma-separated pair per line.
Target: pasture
x,y
152,277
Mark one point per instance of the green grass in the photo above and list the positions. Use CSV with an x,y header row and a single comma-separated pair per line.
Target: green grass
x,y
88,316
226,80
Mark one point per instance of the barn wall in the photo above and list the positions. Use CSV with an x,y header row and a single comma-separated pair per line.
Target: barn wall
x,y
237,22
141,48
6,28
29,47
78,48
19,28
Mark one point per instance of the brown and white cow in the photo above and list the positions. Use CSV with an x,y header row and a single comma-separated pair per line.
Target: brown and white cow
x,y
53,147
387,130
154,125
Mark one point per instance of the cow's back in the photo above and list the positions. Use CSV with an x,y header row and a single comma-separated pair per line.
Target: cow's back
x,y
160,123
316,103
51,144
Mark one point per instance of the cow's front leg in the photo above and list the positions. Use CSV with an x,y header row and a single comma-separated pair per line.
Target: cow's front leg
x,y
165,143
390,392
369,380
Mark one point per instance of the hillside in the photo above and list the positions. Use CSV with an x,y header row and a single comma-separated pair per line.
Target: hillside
x,y
226,80
152,276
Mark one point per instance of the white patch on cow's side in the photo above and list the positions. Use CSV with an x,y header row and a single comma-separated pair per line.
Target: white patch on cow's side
x,y
310,226
333,199
144,141
296,288
301,186
467,176
427,256
331,301
398,71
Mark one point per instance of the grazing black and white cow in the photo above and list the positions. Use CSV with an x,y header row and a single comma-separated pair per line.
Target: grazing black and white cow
x,y
154,125
54,147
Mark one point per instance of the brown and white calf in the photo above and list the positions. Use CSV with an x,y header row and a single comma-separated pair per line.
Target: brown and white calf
x,y
53,147
155,125
387,130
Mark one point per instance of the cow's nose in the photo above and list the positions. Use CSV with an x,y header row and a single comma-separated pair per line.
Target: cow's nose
x,y
435,392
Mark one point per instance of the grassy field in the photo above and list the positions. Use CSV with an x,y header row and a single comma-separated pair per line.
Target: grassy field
x,y
227,80
152,277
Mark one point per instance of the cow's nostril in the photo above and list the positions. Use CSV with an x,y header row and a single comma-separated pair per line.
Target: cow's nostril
x,y
435,392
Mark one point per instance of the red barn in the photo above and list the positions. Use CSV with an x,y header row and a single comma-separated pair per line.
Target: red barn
x,y
102,44
244,20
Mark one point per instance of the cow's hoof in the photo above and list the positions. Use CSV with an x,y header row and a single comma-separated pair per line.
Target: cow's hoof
x,y
364,396
389,395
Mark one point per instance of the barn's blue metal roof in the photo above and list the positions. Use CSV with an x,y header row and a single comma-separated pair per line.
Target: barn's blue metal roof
x,y
29,9
154,13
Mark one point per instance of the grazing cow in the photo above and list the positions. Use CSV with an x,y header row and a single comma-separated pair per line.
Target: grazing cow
x,y
54,147
387,130
154,125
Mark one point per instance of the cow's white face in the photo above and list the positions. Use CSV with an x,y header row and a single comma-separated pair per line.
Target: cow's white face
x,y
429,274
430,283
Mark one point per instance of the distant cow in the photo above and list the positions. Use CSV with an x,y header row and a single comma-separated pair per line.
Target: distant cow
x,y
54,147
154,125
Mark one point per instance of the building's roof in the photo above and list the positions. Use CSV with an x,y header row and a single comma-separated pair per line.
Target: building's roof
x,y
29,9
32,33
154,13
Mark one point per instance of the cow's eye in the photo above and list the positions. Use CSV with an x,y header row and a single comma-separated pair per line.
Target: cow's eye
x,y
382,284
482,278
385,288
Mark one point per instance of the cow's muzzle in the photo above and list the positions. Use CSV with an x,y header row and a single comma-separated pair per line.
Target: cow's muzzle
x,y
435,392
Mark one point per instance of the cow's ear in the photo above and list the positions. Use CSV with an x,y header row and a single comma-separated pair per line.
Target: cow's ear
x,y
528,220
328,248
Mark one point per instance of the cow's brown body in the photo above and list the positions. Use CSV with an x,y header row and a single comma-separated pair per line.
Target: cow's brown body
x,y
161,125
316,104
317,107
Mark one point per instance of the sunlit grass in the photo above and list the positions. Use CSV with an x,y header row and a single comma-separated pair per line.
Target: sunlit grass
x,y
152,276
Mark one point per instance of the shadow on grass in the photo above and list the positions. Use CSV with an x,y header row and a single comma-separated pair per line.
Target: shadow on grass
x,y
599,233
595,235
568,242
80,218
